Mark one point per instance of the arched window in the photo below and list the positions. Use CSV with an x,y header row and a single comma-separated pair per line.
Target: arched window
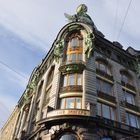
x,y
74,44
103,66
68,137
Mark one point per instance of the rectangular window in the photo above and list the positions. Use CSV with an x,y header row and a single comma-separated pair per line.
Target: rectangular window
x,y
132,120
71,103
129,98
106,111
71,79
104,86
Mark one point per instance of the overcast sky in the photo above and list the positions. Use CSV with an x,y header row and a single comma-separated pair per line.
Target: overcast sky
x,y
29,27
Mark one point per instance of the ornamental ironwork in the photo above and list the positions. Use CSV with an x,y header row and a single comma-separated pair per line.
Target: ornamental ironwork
x,y
72,68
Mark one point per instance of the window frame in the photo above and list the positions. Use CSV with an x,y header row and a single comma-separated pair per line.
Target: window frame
x,y
65,100
66,79
128,120
111,111
99,86
100,64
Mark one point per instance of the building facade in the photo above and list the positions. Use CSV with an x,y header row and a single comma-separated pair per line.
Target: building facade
x,y
86,88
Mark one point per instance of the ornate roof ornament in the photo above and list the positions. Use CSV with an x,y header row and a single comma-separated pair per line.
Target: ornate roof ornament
x,y
80,16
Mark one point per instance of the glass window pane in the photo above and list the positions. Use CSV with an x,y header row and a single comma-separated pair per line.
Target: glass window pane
x,y
106,139
72,58
74,42
79,79
65,81
72,79
79,57
62,104
106,112
78,103
133,121
102,67
129,98
69,102
104,87
68,137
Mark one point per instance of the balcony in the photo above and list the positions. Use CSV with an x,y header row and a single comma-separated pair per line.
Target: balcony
x,y
103,74
117,126
132,107
72,67
129,86
106,96
74,88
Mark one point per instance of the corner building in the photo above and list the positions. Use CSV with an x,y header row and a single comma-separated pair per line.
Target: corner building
x,y
86,88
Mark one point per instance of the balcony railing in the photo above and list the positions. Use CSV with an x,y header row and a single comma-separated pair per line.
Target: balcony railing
x,y
127,85
132,107
107,123
106,96
102,73
74,88
72,67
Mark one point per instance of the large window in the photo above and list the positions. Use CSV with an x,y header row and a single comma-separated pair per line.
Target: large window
x,y
72,79
126,78
132,120
103,67
74,48
103,86
106,111
68,137
71,102
129,97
